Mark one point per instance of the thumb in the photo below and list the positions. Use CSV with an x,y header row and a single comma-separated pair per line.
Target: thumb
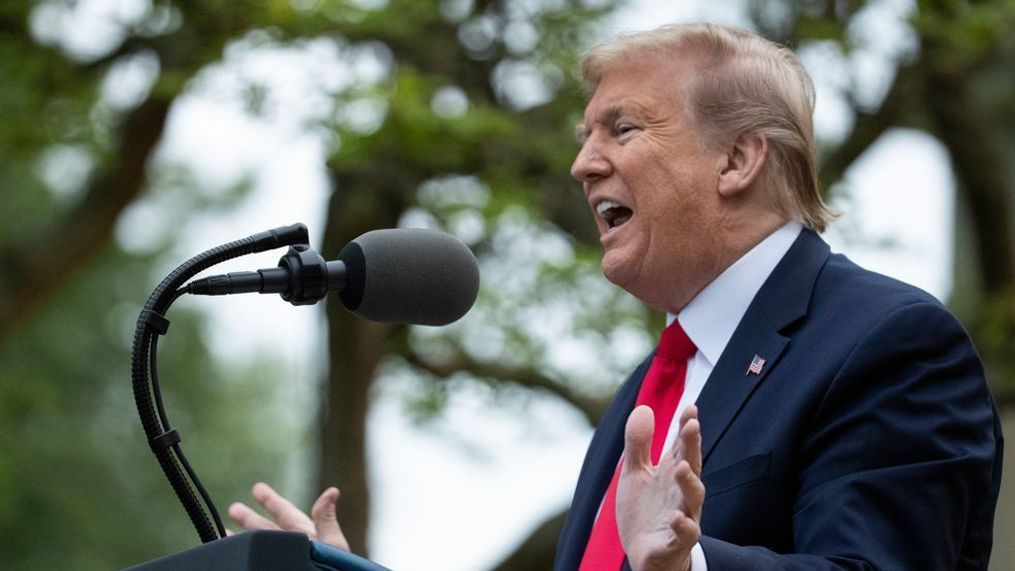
x,y
326,520
638,438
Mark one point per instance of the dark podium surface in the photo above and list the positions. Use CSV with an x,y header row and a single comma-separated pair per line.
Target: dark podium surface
x,y
261,551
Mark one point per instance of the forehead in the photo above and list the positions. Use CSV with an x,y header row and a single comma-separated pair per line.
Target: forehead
x,y
646,86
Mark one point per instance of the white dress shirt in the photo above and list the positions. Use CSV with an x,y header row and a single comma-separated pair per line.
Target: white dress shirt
x,y
714,314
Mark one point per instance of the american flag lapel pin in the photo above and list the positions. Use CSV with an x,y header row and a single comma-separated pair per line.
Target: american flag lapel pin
x,y
756,364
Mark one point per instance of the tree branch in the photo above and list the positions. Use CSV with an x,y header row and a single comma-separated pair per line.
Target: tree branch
x,y
592,408
869,126
28,277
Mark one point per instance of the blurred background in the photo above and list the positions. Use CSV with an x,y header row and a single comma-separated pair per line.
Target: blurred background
x,y
137,133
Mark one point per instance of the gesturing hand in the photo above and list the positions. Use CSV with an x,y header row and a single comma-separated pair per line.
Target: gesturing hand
x,y
659,507
322,524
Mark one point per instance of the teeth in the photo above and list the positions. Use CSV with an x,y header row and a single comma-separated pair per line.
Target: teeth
x,y
606,205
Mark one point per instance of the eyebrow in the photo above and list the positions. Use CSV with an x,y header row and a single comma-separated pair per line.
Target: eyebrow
x,y
607,117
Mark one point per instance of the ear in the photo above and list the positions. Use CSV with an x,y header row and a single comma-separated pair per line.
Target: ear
x,y
744,162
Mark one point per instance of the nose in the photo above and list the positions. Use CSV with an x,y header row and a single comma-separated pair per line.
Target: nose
x,y
590,165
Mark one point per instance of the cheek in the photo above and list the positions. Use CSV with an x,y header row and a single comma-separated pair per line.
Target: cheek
x,y
682,214
670,192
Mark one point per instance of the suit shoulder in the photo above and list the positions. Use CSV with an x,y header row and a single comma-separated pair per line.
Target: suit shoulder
x,y
849,302
842,282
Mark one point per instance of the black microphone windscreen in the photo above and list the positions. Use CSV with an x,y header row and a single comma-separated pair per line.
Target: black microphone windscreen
x,y
409,275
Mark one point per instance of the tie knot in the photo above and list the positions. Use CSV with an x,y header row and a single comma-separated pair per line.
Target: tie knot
x,y
674,344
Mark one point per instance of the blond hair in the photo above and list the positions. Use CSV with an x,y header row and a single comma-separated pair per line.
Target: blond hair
x,y
742,84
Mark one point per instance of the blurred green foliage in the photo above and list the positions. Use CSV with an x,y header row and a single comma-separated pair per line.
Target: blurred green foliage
x,y
81,489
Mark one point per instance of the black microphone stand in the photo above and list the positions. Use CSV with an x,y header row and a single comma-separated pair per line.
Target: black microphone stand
x,y
249,551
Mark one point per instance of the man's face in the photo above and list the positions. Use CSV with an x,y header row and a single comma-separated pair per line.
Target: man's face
x,y
652,188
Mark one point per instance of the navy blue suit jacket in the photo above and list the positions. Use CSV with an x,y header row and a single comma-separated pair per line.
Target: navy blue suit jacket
x,y
868,441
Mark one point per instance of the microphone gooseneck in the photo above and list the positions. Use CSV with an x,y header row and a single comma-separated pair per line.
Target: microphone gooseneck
x,y
163,439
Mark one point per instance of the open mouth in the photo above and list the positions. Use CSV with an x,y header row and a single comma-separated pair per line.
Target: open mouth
x,y
614,214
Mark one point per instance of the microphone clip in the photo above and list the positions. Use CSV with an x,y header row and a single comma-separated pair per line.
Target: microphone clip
x,y
311,277
302,277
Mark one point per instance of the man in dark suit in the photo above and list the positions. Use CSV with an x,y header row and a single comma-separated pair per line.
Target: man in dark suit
x,y
816,415
841,419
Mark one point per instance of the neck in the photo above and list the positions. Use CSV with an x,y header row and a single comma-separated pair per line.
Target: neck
x,y
734,238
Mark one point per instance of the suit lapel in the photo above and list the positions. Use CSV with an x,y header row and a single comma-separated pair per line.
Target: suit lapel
x,y
597,471
730,384
782,300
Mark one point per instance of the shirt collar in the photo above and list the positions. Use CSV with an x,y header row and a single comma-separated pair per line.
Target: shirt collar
x,y
713,315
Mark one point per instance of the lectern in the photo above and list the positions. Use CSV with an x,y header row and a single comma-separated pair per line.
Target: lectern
x,y
261,551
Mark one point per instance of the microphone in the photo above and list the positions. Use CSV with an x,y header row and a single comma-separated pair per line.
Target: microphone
x,y
398,275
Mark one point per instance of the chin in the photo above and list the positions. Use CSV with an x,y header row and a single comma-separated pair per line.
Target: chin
x,y
616,272
626,276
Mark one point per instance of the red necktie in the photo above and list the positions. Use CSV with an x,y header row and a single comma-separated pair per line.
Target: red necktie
x,y
661,390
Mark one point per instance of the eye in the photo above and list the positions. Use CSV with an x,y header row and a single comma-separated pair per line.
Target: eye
x,y
622,129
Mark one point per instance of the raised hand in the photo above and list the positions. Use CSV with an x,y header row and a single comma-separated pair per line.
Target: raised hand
x,y
659,507
321,524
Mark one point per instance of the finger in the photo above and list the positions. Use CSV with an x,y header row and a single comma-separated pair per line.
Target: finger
x,y
326,519
686,531
690,412
692,489
288,516
247,518
677,446
638,438
690,444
